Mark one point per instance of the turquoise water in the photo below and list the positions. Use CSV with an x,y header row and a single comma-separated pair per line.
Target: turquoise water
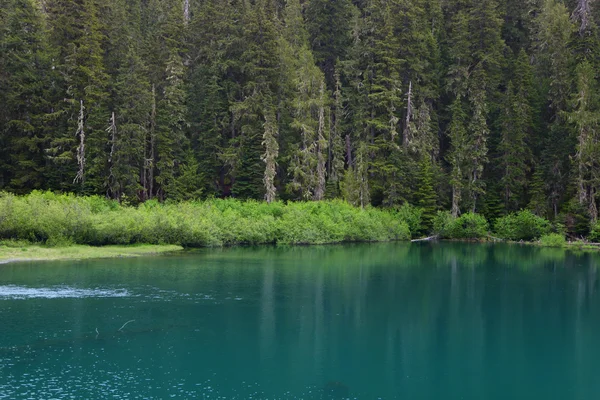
x,y
389,321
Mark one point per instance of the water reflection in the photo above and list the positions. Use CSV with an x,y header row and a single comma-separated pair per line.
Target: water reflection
x,y
442,320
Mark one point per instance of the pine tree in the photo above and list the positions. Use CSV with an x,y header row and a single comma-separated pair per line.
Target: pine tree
x,y
517,124
586,118
329,24
308,103
554,30
77,32
457,155
475,52
426,196
213,84
26,96
336,142
259,67
171,140
129,129
270,157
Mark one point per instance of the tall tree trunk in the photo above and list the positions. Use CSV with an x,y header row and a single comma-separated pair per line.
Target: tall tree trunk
x,y
81,148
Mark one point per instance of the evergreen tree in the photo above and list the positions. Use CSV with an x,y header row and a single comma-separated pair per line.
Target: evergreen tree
x,y
77,32
586,118
259,65
308,103
213,84
128,130
171,140
26,95
553,33
329,24
426,196
475,53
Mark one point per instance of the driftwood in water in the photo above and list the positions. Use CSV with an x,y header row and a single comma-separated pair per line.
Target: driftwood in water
x,y
495,239
427,239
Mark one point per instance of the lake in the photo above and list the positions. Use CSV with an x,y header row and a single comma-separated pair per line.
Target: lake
x,y
369,321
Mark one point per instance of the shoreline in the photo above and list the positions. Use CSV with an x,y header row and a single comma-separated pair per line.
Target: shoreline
x,y
36,252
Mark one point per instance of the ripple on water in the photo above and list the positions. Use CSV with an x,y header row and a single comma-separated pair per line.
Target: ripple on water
x,y
13,292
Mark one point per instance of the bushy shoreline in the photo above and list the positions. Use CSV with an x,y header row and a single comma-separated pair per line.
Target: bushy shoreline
x,y
63,219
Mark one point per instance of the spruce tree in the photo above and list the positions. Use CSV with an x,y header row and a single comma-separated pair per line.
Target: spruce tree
x,y
516,126
26,95
171,140
586,119
554,30
77,33
128,139
308,104
329,24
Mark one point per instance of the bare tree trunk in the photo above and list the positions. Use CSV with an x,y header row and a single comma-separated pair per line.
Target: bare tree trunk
x,y
270,157
409,113
186,11
112,130
349,151
321,143
583,14
593,208
81,148
152,151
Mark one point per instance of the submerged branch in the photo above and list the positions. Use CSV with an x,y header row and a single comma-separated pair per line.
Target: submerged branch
x,y
125,324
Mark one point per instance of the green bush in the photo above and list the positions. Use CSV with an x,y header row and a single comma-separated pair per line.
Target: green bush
x,y
553,240
467,226
62,219
523,225
594,235
413,216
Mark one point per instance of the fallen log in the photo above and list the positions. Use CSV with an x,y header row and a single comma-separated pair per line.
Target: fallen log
x,y
427,239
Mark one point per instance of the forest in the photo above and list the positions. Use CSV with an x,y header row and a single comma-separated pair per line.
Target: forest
x,y
468,106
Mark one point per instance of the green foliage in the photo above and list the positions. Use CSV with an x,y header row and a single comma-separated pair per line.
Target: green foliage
x,y
467,226
54,219
413,216
376,102
553,240
594,235
523,225
574,219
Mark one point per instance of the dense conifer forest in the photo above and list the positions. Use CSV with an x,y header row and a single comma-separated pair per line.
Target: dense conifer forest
x,y
486,106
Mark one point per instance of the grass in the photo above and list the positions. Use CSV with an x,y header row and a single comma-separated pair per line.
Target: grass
x,y
20,251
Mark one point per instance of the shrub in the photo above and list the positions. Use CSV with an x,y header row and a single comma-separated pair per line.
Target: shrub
x,y
523,225
594,235
553,240
574,219
413,216
62,219
467,226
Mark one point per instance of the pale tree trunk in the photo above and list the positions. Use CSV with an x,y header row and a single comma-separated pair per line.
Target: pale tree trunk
x,y
270,157
321,143
456,192
81,148
112,130
593,208
186,11
409,112
151,153
583,15
336,140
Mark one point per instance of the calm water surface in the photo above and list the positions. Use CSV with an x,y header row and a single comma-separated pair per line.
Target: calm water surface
x,y
389,321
